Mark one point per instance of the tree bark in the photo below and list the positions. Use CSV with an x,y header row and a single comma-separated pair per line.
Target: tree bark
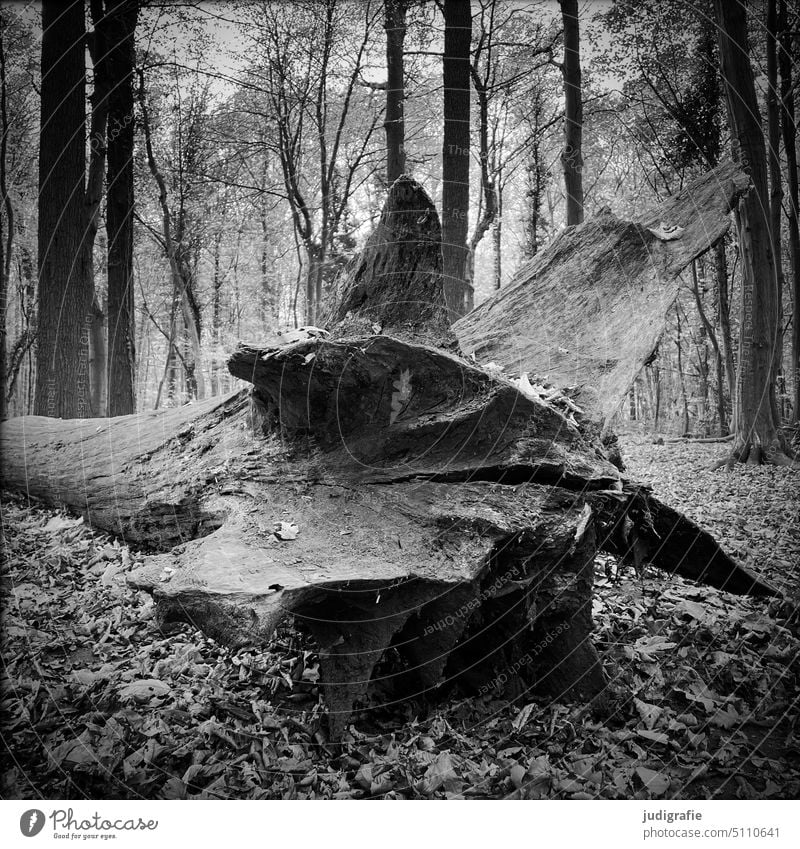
x,y
394,124
64,262
572,155
724,314
789,131
775,177
681,378
98,356
455,155
757,431
395,285
120,27
720,368
7,237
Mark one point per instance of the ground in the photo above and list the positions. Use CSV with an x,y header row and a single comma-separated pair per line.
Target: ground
x,y
97,702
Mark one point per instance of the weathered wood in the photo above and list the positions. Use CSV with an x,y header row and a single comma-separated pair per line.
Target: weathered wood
x,y
384,409
381,491
124,474
463,520
395,284
589,310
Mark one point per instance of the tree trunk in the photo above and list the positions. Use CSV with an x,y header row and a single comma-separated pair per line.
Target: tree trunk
x,y
403,500
567,315
720,369
789,131
775,178
757,434
120,27
497,241
455,155
681,377
572,156
724,314
216,320
7,237
64,264
489,212
97,361
394,125
387,494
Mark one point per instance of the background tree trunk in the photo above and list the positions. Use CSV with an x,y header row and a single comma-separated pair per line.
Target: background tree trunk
x,y
395,89
120,27
757,435
789,130
572,155
65,278
775,177
724,314
455,155
7,228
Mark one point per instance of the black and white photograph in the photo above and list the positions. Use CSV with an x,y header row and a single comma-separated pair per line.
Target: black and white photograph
x,y
400,400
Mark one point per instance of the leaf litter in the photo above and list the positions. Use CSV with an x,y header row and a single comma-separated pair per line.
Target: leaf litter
x,y
100,701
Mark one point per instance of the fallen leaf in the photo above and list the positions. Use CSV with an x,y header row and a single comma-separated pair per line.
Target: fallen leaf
x,y
649,713
655,782
523,716
144,690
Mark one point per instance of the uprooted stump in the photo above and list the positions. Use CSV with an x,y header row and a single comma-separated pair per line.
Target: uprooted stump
x,y
410,501
425,520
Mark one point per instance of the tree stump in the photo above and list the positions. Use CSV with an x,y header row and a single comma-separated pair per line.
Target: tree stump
x,y
385,493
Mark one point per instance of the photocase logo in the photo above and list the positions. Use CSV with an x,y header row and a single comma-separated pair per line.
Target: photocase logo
x,y
31,822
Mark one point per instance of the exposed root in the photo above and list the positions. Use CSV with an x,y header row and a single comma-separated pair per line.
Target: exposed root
x,y
754,454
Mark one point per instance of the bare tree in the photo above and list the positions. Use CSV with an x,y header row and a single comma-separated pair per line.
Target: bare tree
x,y
756,425
175,250
314,53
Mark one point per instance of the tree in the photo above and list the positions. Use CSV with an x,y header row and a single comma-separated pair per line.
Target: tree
x,y
173,241
789,132
19,125
572,156
7,238
455,155
756,423
775,177
65,260
464,552
313,54
121,18
395,25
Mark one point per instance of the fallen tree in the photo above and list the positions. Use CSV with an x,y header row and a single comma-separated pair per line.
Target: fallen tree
x,y
589,310
394,498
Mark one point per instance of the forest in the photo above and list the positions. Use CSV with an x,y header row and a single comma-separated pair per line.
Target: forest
x,y
400,399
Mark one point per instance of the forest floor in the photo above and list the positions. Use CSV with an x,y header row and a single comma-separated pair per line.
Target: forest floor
x,y
97,702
